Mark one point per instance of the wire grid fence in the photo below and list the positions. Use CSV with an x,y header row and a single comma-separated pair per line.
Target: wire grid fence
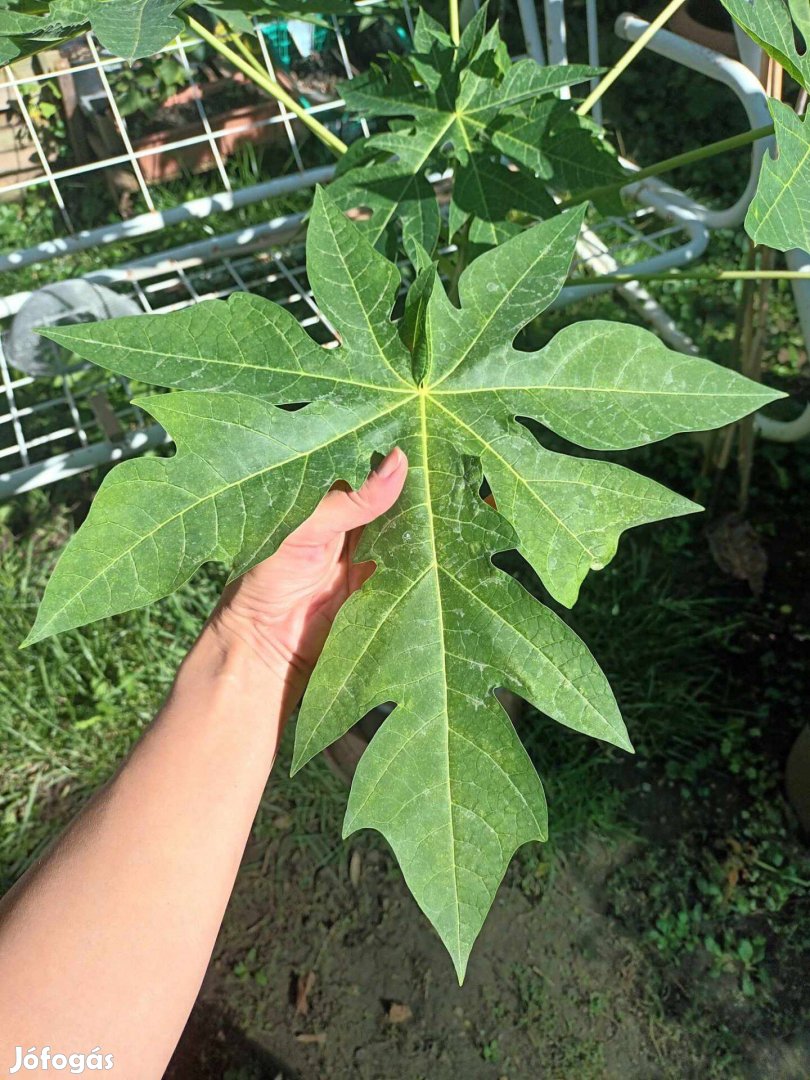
x,y
51,427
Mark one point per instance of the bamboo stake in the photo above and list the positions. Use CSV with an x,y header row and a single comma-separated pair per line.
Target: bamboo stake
x,y
267,84
628,57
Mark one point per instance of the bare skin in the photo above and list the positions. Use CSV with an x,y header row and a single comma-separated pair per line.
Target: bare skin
x,y
105,941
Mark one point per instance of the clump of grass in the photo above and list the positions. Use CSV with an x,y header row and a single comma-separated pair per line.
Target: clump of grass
x,y
71,706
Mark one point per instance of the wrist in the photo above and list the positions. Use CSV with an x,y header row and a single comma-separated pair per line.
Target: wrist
x,y
229,662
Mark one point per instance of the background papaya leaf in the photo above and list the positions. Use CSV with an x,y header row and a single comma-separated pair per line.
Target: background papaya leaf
x,y
454,103
133,29
437,627
779,214
773,25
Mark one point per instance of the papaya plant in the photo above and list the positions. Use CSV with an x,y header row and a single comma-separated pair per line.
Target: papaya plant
x,y
437,628
467,107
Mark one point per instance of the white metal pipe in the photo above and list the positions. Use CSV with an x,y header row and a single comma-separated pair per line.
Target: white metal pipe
x,y
555,31
527,10
724,70
60,466
158,151
144,224
243,241
592,26
784,431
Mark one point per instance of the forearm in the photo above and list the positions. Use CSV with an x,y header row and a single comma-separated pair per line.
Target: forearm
x,y
106,941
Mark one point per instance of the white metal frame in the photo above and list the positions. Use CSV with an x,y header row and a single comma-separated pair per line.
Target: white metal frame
x,y
667,229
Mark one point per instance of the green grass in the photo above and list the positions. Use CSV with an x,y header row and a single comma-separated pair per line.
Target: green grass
x,y
71,707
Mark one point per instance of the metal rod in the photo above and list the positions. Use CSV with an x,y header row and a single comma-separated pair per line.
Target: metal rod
x,y
697,275
144,224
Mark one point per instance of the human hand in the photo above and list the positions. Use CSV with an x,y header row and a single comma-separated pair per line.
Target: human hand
x,y
285,606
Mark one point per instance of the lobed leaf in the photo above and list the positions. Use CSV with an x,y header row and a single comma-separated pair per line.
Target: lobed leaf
x,y
133,29
779,214
464,97
437,628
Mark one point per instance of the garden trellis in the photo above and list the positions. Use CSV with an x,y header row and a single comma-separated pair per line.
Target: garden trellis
x,y
54,425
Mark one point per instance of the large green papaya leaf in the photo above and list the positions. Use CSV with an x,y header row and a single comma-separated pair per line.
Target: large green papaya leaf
x,y
779,214
437,627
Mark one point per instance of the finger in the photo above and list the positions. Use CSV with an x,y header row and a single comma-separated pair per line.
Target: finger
x,y
342,511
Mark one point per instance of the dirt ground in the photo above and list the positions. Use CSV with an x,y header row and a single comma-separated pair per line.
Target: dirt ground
x,y
349,980
383,1002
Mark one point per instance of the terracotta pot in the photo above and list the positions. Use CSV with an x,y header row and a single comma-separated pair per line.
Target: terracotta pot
x,y
722,41
241,126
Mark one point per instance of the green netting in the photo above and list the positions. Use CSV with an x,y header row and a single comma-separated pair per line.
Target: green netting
x,y
279,40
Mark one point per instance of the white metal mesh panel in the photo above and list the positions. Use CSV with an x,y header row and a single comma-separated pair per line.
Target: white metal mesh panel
x,y
108,181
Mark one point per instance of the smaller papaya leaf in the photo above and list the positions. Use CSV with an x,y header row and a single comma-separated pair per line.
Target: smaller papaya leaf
x,y
779,214
436,628
133,29
25,29
461,96
239,14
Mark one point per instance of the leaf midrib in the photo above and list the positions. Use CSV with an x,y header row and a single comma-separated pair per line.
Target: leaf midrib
x,y
301,374
414,176
498,615
301,756
503,300
488,446
423,398
786,184
586,390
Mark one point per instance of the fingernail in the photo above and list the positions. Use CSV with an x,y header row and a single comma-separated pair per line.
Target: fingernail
x,y
389,464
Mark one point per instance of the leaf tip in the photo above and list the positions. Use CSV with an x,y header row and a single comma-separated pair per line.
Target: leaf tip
x,y
460,964
622,740
36,634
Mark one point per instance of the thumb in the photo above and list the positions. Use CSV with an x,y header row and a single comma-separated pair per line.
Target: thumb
x,y
342,511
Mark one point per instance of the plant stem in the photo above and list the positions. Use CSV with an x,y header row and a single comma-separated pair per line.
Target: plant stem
x,y
462,244
455,33
248,55
698,275
734,142
628,57
271,87
751,366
